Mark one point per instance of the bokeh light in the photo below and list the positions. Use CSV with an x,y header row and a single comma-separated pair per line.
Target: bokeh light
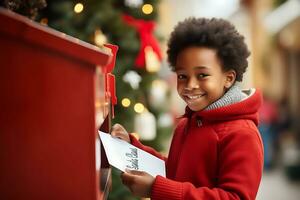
x,y
78,8
147,9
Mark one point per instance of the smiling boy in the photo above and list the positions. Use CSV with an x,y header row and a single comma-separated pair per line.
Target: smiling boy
x,y
216,151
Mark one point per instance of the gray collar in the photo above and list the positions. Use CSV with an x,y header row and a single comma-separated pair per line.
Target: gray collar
x,y
233,95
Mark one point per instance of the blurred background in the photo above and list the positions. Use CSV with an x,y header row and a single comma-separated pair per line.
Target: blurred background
x,y
148,104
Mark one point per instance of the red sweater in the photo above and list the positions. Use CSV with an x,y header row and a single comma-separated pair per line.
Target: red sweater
x,y
214,155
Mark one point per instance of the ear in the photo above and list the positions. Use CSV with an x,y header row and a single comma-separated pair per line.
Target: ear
x,y
230,76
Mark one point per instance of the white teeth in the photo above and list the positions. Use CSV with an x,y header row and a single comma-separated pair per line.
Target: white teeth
x,y
194,97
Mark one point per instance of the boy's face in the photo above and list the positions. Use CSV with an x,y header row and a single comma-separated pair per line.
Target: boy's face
x,y
200,77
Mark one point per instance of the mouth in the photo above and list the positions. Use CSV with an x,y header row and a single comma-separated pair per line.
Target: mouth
x,y
192,98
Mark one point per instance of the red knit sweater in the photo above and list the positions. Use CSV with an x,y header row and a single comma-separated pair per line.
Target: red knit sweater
x,y
215,154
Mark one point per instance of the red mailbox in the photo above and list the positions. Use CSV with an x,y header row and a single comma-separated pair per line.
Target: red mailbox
x,y
55,93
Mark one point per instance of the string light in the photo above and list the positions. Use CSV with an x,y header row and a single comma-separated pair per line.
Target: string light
x,y
139,107
152,61
99,38
78,8
159,84
126,102
147,9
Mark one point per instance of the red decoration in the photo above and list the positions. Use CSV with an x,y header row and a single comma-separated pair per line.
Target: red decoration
x,y
145,29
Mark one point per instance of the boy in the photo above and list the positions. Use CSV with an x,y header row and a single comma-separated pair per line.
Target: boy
x,y
216,151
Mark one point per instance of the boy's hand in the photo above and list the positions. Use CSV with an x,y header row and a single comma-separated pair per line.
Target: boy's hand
x,y
120,132
138,182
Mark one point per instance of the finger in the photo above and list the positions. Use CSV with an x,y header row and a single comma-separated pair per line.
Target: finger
x,y
117,127
127,174
135,172
127,183
116,133
114,129
119,135
127,179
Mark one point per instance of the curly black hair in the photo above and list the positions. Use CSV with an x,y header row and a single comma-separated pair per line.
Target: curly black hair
x,y
214,33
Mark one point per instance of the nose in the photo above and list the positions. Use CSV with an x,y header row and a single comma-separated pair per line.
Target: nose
x,y
192,83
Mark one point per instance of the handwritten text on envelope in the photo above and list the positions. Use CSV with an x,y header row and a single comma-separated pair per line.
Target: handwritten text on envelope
x,y
122,155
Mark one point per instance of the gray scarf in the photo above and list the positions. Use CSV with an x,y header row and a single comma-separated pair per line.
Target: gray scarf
x,y
233,95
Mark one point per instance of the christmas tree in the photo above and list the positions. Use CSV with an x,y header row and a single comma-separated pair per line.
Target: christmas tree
x,y
27,8
142,94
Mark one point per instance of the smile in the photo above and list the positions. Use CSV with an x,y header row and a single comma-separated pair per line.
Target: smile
x,y
194,96
191,98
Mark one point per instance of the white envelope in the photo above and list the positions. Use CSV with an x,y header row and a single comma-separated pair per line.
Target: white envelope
x,y
122,155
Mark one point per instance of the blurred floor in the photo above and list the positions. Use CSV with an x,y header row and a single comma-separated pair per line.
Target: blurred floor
x,y
276,186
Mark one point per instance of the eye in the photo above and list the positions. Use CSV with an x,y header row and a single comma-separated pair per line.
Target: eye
x,y
200,76
181,76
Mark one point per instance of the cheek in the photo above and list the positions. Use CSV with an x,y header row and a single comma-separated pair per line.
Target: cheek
x,y
208,85
213,87
179,89
179,86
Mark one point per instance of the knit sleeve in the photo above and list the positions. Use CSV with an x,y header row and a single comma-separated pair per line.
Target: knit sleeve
x,y
150,150
240,171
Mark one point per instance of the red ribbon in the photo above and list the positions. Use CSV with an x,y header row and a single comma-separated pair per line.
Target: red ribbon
x,y
145,30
